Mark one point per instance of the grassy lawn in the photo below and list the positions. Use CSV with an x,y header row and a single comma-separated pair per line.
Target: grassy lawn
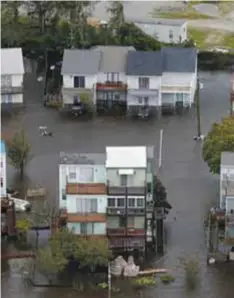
x,y
186,14
208,38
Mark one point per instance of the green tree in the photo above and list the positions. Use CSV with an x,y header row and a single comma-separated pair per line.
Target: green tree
x,y
51,261
92,252
19,151
219,139
116,10
160,195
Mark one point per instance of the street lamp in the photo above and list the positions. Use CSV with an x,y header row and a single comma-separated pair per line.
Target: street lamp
x,y
199,136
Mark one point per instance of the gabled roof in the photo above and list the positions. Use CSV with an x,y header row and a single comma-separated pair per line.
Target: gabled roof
x,y
227,159
153,21
126,157
113,58
80,62
179,59
12,61
144,63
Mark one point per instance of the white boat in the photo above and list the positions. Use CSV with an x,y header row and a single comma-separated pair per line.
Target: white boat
x,y
21,205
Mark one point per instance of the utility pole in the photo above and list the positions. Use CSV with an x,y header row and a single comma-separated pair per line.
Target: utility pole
x,y
199,136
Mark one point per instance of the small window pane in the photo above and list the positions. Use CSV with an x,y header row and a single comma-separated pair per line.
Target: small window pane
x,y
131,222
123,180
131,202
140,202
120,202
111,202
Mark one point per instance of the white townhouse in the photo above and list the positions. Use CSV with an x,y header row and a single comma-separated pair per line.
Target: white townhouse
x,y
79,73
12,77
3,176
144,72
179,77
164,30
227,181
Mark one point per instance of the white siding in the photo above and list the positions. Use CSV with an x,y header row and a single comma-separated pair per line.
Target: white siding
x,y
162,31
97,228
229,171
17,80
154,82
99,176
102,77
90,81
77,203
3,174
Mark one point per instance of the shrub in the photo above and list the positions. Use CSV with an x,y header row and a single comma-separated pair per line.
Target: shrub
x,y
191,271
143,282
167,279
54,104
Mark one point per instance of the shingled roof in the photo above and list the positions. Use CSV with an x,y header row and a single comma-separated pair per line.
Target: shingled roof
x,y
179,59
142,63
80,62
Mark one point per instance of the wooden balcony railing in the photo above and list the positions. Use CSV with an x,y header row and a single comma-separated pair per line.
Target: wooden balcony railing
x,y
112,85
125,232
135,232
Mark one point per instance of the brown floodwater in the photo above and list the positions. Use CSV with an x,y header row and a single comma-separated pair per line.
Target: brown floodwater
x,y
192,190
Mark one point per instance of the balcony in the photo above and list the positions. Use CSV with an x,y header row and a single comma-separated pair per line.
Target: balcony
x,y
112,86
125,232
116,211
136,211
116,232
11,90
126,190
127,243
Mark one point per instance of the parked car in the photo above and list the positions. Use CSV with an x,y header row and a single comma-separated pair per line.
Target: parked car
x,y
21,205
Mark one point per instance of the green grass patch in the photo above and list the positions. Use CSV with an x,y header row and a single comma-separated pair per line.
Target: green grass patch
x,y
225,7
189,14
208,38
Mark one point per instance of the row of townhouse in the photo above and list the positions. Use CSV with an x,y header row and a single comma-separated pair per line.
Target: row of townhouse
x,y
12,77
109,195
141,81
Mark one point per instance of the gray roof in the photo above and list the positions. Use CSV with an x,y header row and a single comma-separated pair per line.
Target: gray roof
x,y
179,59
113,58
84,158
227,158
80,62
144,63
152,21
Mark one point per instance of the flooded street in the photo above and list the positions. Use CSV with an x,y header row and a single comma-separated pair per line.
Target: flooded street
x,y
192,190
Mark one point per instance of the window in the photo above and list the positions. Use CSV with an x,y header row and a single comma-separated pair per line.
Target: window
x,y
79,82
146,100
123,180
116,96
64,197
140,202
76,100
131,202
72,175
1,164
1,182
93,205
111,202
140,100
109,95
83,228
86,174
143,83
6,80
171,35
120,202
112,77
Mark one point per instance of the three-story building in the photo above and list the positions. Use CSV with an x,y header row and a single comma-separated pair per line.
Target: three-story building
x,y
111,87
144,71
127,191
